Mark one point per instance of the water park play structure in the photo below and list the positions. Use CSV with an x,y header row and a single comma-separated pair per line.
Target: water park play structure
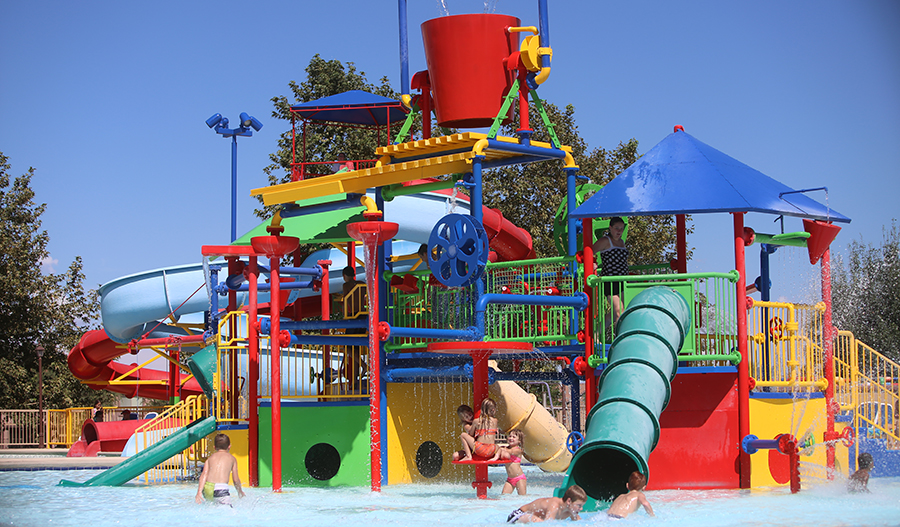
x,y
693,378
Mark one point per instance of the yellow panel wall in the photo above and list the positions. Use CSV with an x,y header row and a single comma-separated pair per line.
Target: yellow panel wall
x,y
240,448
800,417
418,413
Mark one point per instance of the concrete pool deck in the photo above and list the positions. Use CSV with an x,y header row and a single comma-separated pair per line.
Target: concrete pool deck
x,y
52,459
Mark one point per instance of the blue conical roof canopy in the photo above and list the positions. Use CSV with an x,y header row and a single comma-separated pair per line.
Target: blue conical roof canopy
x,y
682,175
352,107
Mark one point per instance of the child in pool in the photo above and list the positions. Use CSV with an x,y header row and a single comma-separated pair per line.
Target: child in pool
x,y
515,477
480,442
545,509
466,417
219,466
627,503
859,481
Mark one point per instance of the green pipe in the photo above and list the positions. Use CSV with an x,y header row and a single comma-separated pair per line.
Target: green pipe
x,y
623,427
392,191
793,239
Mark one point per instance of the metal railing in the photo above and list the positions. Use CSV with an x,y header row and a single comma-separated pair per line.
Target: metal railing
x,y
712,337
868,384
186,464
785,346
20,428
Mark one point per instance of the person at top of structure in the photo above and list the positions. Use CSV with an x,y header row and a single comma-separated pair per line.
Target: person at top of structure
x,y
515,476
97,412
625,504
859,481
219,466
614,262
353,366
545,509
481,442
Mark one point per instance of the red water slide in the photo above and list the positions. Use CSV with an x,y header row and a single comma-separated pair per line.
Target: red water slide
x,y
92,360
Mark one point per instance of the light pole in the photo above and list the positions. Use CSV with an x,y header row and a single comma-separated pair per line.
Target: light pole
x,y
220,125
40,353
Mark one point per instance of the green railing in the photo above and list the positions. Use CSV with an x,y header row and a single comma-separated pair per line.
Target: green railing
x,y
712,339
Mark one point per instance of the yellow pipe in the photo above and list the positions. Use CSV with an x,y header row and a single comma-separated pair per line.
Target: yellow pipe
x,y
369,204
479,147
570,161
406,100
522,29
382,161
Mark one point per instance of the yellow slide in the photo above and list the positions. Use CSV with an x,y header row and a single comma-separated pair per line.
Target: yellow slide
x,y
545,437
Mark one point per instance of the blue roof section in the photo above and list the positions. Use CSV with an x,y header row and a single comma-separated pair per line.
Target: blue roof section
x,y
682,175
352,107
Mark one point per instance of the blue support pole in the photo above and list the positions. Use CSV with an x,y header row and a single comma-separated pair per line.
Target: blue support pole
x,y
234,187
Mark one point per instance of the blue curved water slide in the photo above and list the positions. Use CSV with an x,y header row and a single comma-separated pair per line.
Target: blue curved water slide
x,y
132,305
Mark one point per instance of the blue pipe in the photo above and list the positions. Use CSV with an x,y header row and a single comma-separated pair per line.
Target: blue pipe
x,y
404,48
553,153
265,325
222,289
405,374
350,202
234,187
214,299
544,27
430,333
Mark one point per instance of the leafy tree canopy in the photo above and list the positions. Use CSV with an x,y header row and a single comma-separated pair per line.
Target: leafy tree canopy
x,y
866,292
529,195
52,310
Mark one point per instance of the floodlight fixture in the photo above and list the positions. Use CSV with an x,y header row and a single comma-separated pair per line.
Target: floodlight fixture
x,y
214,120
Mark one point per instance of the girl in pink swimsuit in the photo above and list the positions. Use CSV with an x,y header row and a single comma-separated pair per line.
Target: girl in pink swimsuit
x,y
515,477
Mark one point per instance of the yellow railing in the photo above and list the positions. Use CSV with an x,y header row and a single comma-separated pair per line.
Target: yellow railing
x,y
64,426
868,384
175,418
785,346
317,372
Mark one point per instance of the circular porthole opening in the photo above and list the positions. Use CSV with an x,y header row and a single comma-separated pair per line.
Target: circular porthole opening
x,y
429,459
322,461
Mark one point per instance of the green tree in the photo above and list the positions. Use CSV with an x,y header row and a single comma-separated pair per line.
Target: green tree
x,y
324,142
52,310
866,292
529,195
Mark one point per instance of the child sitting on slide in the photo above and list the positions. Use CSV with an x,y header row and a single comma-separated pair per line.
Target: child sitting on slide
x,y
480,443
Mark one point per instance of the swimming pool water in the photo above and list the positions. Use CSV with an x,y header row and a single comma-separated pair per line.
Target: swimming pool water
x,y
33,499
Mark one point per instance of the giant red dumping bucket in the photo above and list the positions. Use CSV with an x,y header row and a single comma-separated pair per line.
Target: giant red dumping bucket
x,y
466,56
821,235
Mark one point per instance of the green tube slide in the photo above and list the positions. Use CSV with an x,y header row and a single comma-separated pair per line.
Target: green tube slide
x,y
152,456
623,427
203,365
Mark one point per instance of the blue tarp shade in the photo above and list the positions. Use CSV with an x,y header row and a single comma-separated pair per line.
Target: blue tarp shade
x,y
682,175
352,107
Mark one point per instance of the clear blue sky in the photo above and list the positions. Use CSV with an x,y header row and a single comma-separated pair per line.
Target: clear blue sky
x,y
107,100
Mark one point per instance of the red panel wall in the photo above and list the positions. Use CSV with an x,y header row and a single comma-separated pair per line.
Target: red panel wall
x,y
698,444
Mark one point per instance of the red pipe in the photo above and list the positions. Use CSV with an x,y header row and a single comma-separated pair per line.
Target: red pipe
x,y
829,361
374,364
253,373
743,368
681,243
524,125
480,387
587,258
275,367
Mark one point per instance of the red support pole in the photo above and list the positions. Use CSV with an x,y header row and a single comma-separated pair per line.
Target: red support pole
x,y
587,257
234,377
524,124
326,309
374,366
681,242
480,387
743,367
253,373
275,367
828,335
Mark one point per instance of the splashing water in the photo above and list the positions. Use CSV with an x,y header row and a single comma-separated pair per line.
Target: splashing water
x,y
442,8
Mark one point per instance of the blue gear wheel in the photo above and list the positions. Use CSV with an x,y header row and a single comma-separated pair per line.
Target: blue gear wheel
x,y
574,441
457,250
